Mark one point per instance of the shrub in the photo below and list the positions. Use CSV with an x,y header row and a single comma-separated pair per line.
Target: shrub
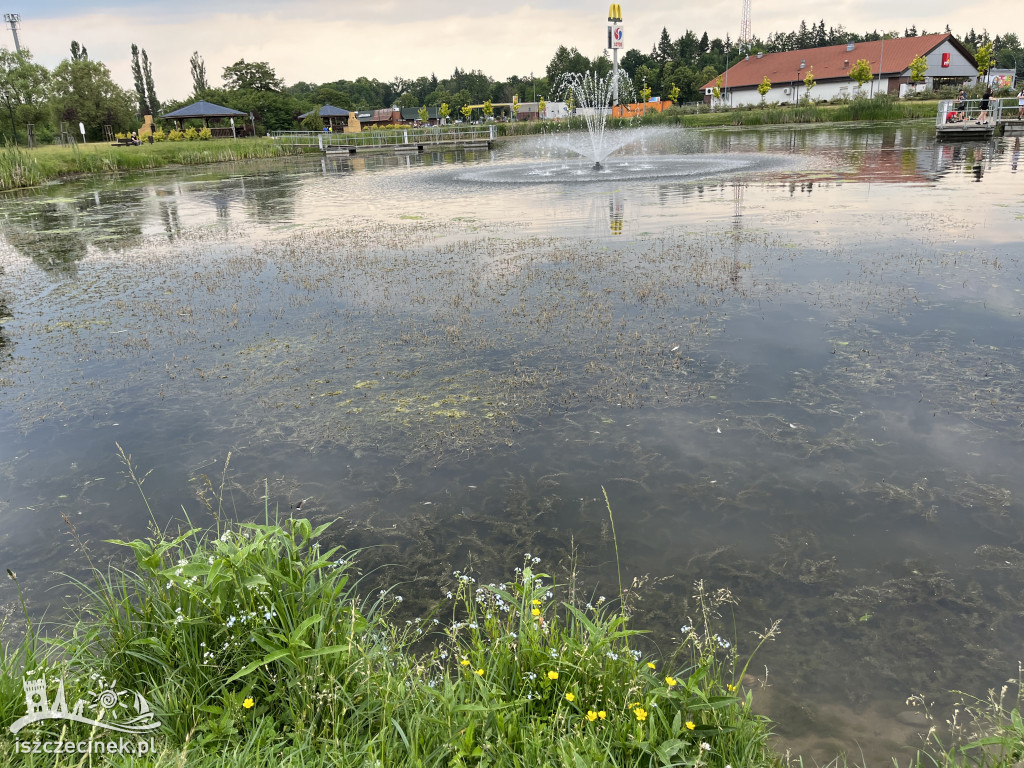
x,y
191,134
175,135
159,135
205,134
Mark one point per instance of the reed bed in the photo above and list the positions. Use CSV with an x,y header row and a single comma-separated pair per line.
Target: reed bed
x,y
21,167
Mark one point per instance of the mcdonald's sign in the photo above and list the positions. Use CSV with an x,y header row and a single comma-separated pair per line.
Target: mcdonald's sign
x,y
615,12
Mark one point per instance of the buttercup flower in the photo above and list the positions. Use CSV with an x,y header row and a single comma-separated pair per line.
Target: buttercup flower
x,y
249,703
535,602
535,611
602,714
552,675
652,665
464,662
730,687
689,725
670,681
591,715
641,714
570,696
480,672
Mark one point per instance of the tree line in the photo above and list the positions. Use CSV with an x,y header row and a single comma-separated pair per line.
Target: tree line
x,y
81,90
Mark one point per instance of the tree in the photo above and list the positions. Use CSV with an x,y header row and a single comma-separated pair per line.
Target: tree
x,y
140,83
764,87
147,72
716,91
79,53
443,111
83,91
23,88
566,61
663,50
917,69
541,106
407,99
861,72
200,85
466,111
423,115
488,108
673,94
984,58
251,76
809,83
313,121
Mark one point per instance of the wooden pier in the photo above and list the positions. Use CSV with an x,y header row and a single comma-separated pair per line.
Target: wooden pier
x,y
952,124
397,141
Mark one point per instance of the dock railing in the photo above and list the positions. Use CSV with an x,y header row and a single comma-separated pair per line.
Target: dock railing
x,y
950,111
439,134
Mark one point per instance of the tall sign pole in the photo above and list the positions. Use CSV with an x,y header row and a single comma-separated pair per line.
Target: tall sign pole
x,y
615,42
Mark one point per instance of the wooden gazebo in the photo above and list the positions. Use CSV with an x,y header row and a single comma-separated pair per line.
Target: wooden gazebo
x,y
205,111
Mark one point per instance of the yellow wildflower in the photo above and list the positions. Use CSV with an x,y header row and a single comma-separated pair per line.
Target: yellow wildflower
x,y
535,611
689,725
602,714
591,715
535,602
570,696
670,681
249,703
652,665
641,714
552,675
731,688
480,672
464,662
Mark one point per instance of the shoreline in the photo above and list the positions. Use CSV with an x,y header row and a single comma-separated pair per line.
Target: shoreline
x,y
25,169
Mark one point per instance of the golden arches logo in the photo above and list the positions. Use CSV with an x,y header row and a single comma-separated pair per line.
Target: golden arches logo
x,y
614,12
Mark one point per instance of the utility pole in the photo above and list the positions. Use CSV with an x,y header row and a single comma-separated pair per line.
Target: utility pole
x,y
14,19
615,43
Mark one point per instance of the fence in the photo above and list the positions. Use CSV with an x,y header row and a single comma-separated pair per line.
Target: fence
x,y
447,134
952,111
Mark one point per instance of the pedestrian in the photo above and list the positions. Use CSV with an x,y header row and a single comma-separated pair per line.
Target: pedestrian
x,y
1020,104
961,105
983,115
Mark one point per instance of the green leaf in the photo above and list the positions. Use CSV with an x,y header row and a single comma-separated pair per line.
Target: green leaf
x,y
268,659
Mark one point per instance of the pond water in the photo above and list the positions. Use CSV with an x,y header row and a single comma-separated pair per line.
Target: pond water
x,y
791,356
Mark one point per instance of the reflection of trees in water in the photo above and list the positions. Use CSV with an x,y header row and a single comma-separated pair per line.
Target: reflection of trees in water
x,y
269,197
57,234
5,341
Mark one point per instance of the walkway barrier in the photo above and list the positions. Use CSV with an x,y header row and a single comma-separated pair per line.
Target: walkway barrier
x,y
447,134
950,111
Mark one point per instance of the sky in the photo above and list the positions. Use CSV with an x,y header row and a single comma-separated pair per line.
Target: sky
x,y
320,42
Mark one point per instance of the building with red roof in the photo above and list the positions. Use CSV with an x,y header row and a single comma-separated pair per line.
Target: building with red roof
x,y
949,63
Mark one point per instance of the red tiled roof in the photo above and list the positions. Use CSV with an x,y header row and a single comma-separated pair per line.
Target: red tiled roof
x,y
834,61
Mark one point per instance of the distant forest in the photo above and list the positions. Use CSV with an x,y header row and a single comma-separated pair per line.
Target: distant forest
x,y
685,62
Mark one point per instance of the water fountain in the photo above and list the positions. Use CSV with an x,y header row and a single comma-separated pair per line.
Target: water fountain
x,y
641,153
594,96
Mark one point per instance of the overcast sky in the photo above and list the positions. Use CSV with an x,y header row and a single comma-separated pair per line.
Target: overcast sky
x,y
321,42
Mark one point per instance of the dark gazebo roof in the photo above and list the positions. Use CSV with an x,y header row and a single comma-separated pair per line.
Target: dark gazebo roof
x,y
202,110
327,111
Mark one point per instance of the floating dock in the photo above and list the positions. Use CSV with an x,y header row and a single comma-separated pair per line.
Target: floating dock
x,y
397,141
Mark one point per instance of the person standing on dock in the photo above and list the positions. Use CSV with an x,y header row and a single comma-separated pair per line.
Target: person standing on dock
x,y
1020,104
983,115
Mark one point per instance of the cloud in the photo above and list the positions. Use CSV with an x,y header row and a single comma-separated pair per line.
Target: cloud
x,y
320,42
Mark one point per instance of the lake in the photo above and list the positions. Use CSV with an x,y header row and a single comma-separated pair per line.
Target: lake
x,y
791,356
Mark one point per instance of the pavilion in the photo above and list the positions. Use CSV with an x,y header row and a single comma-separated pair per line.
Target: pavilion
x,y
205,111
334,118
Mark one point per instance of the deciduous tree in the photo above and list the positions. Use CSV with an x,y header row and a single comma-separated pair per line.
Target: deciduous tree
x,y
251,76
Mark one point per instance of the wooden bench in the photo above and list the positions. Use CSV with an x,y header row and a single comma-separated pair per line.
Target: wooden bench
x,y
123,143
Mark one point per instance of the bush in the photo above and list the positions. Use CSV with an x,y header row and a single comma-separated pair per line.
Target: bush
x,y
159,135
175,135
191,134
205,134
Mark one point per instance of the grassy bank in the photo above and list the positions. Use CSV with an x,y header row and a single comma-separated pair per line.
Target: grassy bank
x,y
256,645
253,645
879,109
20,167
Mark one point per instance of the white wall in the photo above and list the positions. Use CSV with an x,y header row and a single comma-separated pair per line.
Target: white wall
x,y
820,92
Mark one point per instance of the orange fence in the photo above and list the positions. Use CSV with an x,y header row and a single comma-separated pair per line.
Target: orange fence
x,y
635,110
